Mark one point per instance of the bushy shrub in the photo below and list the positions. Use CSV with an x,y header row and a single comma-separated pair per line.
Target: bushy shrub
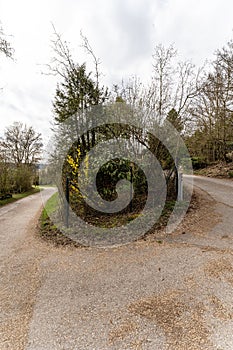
x,y
23,178
198,163
6,178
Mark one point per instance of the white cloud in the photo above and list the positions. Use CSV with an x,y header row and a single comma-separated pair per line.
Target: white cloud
x,y
196,27
123,34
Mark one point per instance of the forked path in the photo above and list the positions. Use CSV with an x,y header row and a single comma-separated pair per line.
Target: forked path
x,y
176,295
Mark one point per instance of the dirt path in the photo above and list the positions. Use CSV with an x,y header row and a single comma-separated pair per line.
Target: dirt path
x,y
20,257
176,295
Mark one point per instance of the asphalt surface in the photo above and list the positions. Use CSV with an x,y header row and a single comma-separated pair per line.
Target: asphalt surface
x,y
221,191
175,295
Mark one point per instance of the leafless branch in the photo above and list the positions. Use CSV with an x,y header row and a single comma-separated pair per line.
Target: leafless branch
x,y
86,45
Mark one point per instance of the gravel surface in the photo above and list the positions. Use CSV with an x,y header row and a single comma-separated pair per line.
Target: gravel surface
x,y
145,295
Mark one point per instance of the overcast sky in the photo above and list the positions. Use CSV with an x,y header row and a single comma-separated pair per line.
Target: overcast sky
x,y
123,34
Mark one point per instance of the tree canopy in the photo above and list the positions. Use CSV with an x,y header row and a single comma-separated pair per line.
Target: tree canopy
x,y
21,144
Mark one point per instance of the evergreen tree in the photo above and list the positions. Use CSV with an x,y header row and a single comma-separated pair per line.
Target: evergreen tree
x,y
174,118
76,93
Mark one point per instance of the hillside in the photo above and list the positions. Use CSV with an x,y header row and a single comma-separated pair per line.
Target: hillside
x,y
220,170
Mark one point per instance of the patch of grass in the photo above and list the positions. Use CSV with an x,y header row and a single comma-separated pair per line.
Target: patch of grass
x,y
50,207
52,204
51,233
18,196
132,217
169,205
47,230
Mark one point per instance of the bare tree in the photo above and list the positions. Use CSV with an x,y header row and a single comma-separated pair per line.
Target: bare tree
x,y
162,83
213,107
62,62
174,84
21,144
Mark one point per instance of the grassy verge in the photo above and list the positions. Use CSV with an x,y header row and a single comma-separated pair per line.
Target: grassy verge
x,y
50,206
47,230
18,196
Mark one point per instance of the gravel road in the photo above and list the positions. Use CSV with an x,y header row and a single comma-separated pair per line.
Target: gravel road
x,y
174,295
